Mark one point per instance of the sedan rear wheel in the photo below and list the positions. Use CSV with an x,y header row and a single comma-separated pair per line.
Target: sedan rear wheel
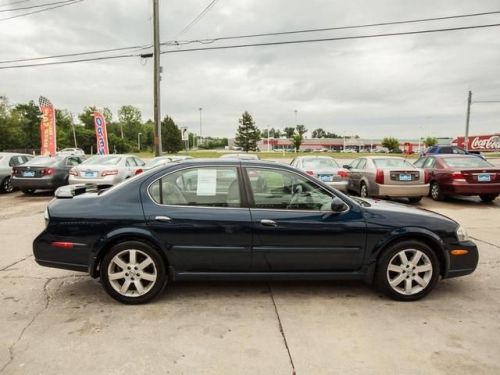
x,y
407,271
363,190
6,186
133,272
436,193
488,197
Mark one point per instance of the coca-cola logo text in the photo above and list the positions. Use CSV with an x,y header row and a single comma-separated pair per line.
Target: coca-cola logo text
x,y
491,143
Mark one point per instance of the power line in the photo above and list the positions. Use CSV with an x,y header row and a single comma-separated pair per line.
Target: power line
x,y
40,10
334,39
144,46
264,44
14,3
36,6
197,18
211,40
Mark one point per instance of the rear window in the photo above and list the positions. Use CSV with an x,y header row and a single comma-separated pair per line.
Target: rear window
x,y
43,161
103,160
467,162
320,163
392,163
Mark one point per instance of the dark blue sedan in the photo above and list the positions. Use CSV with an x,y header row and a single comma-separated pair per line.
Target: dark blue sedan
x,y
242,220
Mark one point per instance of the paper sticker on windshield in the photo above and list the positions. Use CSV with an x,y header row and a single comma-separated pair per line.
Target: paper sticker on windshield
x,y
207,182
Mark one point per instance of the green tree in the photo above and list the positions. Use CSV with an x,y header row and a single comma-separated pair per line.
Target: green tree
x,y
247,134
28,116
430,141
390,143
319,133
301,129
171,138
289,132
332,135
130,122
297,139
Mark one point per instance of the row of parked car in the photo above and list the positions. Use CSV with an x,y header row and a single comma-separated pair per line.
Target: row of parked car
x,y
437,175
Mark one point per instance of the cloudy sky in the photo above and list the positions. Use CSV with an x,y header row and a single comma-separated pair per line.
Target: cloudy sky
x,y
405,86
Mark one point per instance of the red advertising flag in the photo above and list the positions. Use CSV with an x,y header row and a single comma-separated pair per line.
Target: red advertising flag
x,y
48,143
101,134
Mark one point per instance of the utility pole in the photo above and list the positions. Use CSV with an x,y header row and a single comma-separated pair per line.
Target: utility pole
x,y
73,127
201,134
156,77
466,138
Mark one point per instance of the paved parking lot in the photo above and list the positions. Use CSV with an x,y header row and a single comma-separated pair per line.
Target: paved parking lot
x,y
58,322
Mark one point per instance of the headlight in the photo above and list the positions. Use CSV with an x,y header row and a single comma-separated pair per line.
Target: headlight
x,y
462,234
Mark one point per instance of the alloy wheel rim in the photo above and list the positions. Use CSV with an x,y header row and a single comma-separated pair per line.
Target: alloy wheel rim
x,y
364,191
132,273
409,272
435,191
7,185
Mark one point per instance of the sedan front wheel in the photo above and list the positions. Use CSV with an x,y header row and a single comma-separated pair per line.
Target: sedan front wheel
x,y
133,272
6,186
407,271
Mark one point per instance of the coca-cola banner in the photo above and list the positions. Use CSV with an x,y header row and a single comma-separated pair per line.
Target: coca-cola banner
x,y
480,142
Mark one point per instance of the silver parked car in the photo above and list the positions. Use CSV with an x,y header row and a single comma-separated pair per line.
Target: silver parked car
x,y
106,169
325,169
242,156
7,161
163,160
386,176
71,151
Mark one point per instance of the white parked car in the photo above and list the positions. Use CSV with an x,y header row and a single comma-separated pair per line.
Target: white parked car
x,y
325,169
162,160
106,169
8,160
71,151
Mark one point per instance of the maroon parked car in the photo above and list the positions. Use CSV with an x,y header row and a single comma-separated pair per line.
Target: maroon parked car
x,y
461,175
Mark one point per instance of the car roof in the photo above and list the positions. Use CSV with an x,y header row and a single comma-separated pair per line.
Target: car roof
x,y
453,156
315,157
382,157
13,154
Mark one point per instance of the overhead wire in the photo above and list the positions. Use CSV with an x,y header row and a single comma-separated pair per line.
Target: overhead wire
x,y
40,10
197,18
36,6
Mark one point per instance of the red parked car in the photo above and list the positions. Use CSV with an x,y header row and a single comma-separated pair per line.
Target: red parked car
x,y
461,175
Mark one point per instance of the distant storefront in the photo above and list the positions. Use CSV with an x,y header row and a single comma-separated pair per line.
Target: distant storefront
x,y
483,143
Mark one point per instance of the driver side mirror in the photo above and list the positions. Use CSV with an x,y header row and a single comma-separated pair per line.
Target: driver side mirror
x,y
346,166
338,205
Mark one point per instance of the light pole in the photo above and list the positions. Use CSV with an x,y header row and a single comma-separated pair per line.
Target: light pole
x,y
268,139
467,121
201,134
139,141
295,111
156,75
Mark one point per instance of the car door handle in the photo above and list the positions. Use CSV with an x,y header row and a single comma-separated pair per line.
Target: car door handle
x,y
163,219
268,223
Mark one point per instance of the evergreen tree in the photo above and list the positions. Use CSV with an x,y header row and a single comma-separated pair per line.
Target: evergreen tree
x,y
171,138
247,134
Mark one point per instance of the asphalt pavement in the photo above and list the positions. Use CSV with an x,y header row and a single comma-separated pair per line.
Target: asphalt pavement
x,y
60,322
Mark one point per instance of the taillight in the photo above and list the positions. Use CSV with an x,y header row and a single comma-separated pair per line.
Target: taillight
x,y
457,176
310,173
343,174
48,171
62,245
139,171
427,177
109,172
73,172
379,176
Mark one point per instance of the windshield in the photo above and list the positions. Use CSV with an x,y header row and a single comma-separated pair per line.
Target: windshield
x,y
467,162
43,161
103,160
392,163
320,163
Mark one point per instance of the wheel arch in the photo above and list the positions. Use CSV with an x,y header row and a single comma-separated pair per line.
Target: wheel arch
x,y
123,235
411,234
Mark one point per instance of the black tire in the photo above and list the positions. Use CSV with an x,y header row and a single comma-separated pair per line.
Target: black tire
x,y
435,192
132,294
363,190
6,185
414,199
390,257
28,191
488,197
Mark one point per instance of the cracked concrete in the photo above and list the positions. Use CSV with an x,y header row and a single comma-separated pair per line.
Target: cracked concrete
x,y
54,321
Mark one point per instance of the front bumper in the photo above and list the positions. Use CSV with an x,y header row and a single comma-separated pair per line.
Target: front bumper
x,y
460,265
384,190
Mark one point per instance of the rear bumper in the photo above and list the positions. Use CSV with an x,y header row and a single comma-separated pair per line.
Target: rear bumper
x,y
35,183
460,265
339,185
402,190
108,180
465,188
